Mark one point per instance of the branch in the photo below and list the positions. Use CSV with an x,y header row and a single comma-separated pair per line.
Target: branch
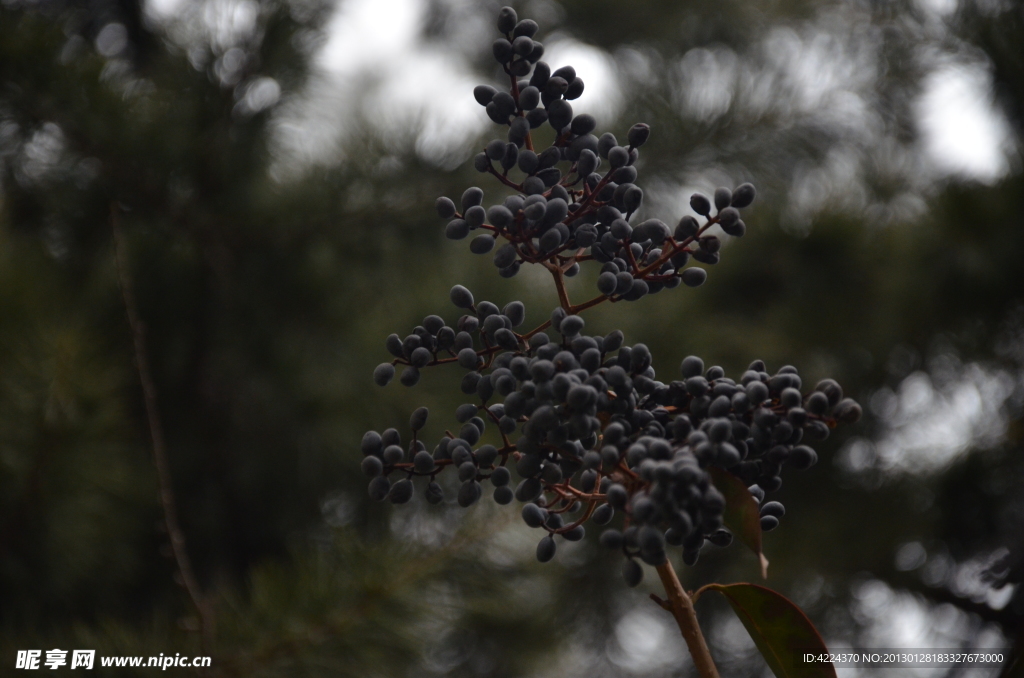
x,y
669,252
563,295
503,179
664,604
681,608
163,469
675,247
539,328
575,310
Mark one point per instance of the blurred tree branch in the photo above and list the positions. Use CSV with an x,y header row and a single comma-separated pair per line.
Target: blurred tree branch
x,y
163,469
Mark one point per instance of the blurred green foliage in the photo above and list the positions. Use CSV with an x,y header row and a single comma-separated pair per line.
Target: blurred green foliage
x,y
266,302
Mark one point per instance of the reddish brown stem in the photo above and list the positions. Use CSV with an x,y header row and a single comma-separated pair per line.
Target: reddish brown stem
x,y
673,248
584,518
588,304
503,179
559,276
515,95
632,261
580,211
504,438
539,328
681,608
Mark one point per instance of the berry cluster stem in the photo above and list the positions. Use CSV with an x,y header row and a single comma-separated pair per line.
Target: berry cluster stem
x,y
681,607
559,277
515,95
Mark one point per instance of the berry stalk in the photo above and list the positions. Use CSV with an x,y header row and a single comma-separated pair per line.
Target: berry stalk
x,y
681,607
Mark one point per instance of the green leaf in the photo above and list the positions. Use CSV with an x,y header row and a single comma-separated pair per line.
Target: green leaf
x,y
742,514
780,629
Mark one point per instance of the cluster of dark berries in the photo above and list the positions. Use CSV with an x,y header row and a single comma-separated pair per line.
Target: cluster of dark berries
x,y
590,432
580,193
556,227
435,343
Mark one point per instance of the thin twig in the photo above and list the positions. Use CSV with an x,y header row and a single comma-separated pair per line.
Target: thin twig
x,y
664,604
505,180
575,310
163,470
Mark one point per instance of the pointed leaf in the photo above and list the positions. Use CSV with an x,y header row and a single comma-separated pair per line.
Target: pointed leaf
x,y
780,629
742,514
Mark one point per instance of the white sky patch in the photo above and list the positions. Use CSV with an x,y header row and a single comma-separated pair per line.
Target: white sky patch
x,y
377,69
644,641
929,425
966,580
941,8
43,152
602,96
963,134
368,31
706,82
163,9
813,189
893,618
670,202
436,92
826,71
260,94
111,40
